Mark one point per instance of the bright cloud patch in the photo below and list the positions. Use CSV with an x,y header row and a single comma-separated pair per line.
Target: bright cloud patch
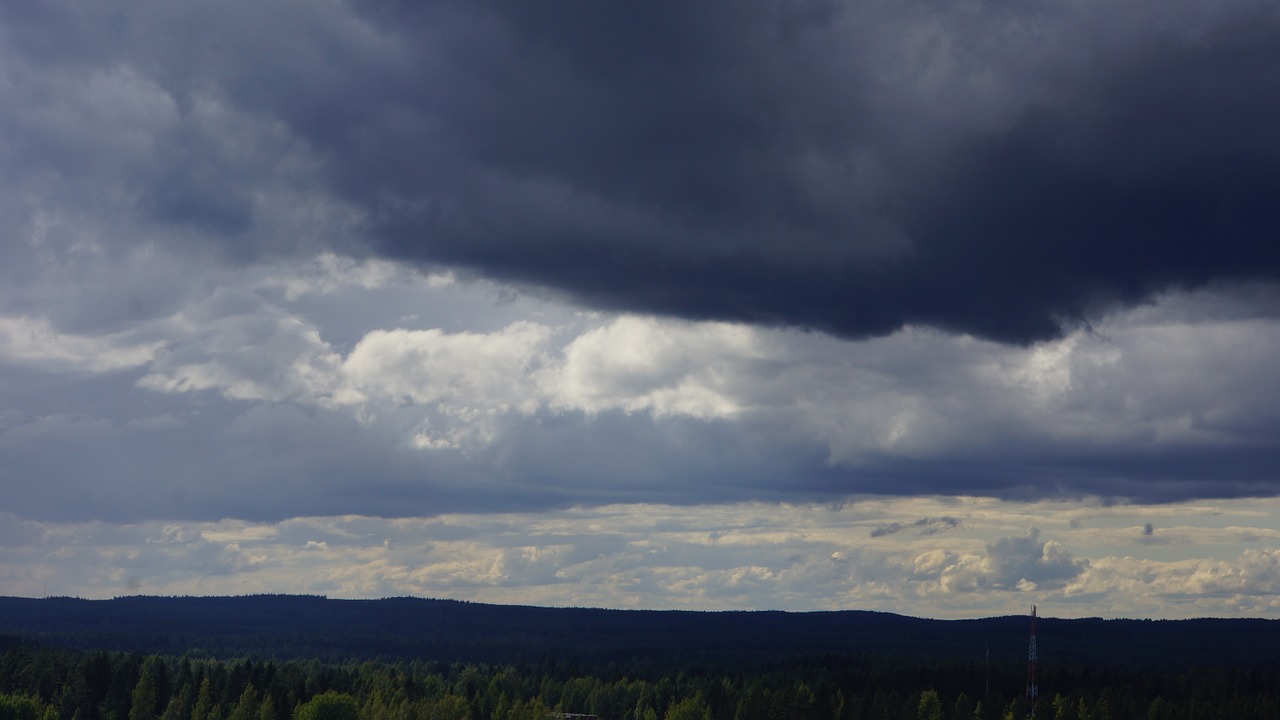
x,y
36,342
460,371
665,368
796,557
486,399
915,393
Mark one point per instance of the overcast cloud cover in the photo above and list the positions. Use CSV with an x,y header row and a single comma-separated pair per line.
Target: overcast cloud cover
x,y
942,308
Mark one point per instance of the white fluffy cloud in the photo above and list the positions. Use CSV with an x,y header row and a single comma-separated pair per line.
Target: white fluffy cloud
x,y
36,342
461,371
1022,563
795,557
665,368
486,398
1132,383
238,345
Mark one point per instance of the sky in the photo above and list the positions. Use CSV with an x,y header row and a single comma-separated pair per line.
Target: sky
x,y
945,309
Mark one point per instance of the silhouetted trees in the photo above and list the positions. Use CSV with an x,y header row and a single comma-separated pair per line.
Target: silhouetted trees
x,y
59,684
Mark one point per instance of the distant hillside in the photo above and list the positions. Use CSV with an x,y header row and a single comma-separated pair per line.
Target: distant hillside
x,y
284,626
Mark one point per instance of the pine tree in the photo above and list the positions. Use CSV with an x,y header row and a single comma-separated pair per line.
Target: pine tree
x,y
143,701
267,710
203,709
688,709
930,707
248,706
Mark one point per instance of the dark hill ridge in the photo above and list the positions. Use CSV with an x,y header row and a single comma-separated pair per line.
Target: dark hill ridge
x,y
290,626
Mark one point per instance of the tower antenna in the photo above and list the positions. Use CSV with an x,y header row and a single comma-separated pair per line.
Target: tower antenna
x,y
1033,690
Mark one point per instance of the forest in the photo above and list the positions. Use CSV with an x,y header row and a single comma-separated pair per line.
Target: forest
x,y
58,684
394,629
45,675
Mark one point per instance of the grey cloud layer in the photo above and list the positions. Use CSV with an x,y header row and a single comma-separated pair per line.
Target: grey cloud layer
x,y
511,301
993,168
257,400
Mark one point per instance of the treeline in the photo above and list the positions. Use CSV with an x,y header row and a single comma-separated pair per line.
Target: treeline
x,y
398,629
39,683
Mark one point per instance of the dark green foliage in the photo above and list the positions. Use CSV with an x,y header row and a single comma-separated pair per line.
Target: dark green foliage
x,y
15,707
330,705
49,683
688,709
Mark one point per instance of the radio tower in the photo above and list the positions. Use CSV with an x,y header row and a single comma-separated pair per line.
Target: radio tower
x,y
1032,689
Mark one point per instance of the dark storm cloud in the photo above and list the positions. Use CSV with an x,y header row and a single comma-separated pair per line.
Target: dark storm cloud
x,y
1036,471
925,526
998,169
